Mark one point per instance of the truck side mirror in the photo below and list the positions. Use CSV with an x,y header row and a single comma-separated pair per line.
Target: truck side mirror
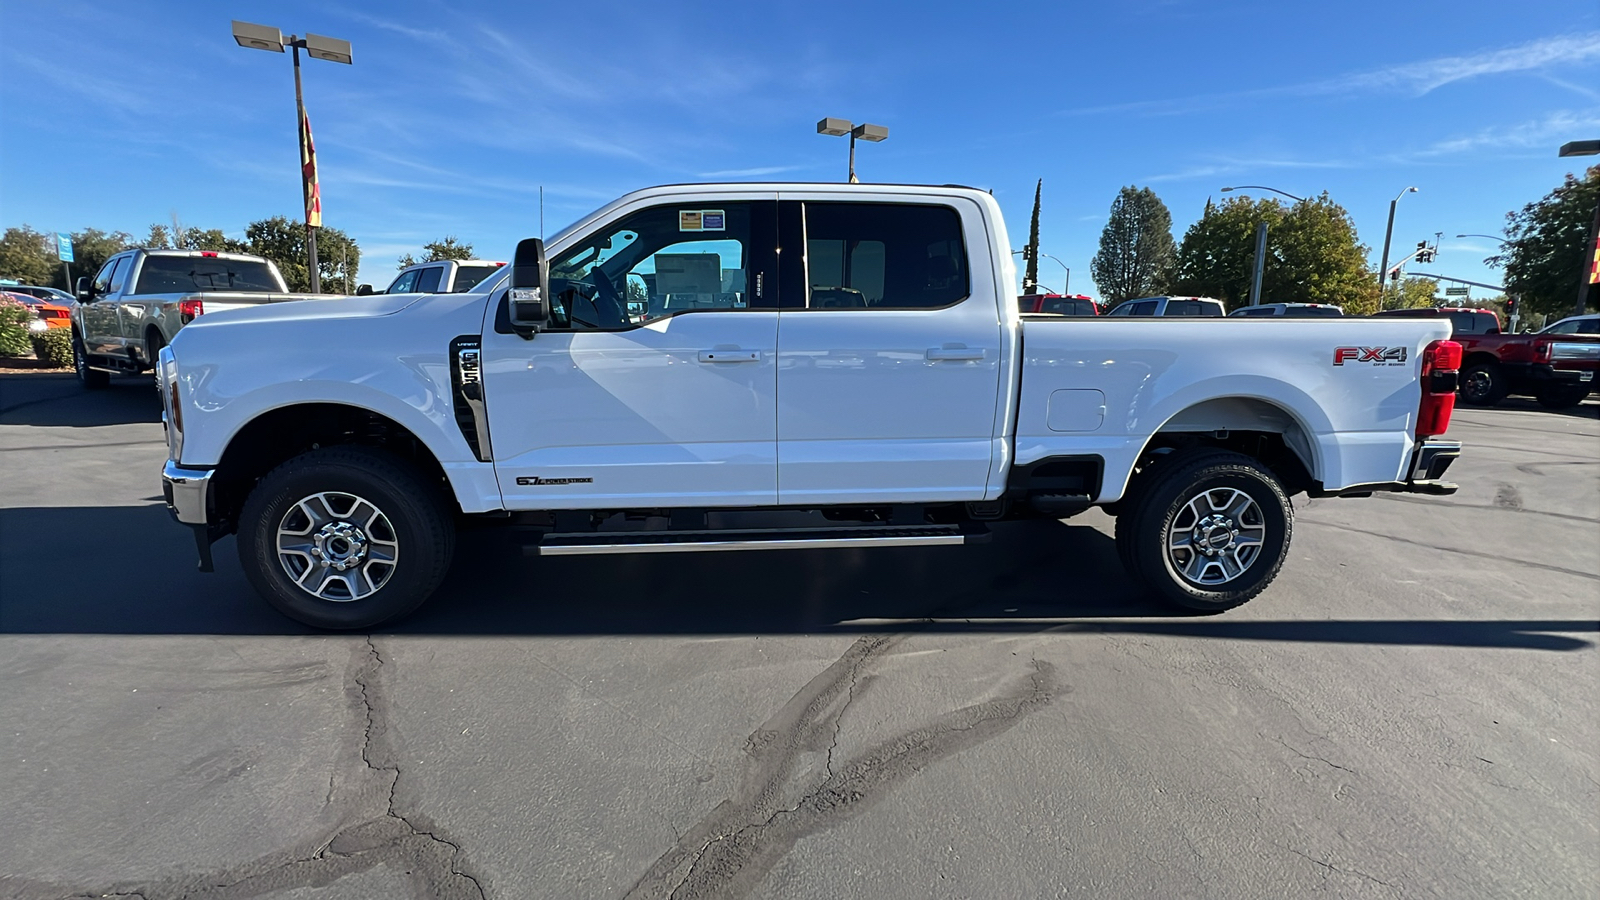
x,y
84,289
530,288
363,290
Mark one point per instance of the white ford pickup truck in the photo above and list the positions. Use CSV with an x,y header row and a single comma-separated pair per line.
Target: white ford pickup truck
x,y
752,367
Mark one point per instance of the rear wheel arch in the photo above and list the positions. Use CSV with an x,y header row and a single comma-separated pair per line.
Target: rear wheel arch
x,y
1258,428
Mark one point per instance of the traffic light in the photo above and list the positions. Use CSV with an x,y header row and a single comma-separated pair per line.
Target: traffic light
x,y
1511,306
1423,253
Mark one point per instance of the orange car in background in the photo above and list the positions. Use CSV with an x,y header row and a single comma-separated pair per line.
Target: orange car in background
x,y
52,315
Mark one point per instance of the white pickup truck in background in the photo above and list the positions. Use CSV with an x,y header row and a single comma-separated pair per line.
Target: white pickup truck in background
x,y
745,367
139,299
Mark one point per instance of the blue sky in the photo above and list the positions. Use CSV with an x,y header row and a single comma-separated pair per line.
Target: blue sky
x,y
118,115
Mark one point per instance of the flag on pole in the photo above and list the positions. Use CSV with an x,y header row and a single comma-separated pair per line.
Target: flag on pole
x,y
308,173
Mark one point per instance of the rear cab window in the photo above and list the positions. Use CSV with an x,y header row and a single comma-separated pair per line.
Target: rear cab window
x,y
469,275
188,274
428,279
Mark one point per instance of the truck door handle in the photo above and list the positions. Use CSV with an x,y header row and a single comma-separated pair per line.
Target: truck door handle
x,y
730,355
954,353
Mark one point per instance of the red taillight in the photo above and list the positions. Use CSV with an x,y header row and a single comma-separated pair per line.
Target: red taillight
x,y
1441,364
191,308
208,253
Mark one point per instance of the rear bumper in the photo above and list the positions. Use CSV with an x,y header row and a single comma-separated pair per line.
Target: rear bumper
x,y
1429,462
1538,373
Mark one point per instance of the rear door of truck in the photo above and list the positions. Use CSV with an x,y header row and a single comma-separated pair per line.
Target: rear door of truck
x,y
889,349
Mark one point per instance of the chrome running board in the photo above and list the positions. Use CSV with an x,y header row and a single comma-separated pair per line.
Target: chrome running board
x,y
599,542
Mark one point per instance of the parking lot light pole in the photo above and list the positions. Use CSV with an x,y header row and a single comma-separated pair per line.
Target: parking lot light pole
x,y
1383,268
265,37
842,127
1065,285
1262,187
1589,275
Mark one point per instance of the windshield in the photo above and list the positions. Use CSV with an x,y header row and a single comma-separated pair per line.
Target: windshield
x,y
469,274
183,274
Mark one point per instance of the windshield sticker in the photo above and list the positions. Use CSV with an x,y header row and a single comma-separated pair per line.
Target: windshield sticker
x,y
701,220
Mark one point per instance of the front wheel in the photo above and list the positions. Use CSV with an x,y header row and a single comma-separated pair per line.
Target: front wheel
x,y
91,379
345,538
1209,531
1560,395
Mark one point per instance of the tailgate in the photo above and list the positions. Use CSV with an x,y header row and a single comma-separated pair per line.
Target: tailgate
x,y
220,301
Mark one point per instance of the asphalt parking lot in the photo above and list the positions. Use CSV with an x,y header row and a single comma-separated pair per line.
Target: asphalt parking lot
x,y
1409,712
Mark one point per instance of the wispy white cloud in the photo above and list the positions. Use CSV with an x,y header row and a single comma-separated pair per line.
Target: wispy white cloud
x,y
1413,78
1541,133
1217,166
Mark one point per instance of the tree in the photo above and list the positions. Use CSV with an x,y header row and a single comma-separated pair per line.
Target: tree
x,y
1136,248
449,248
1546,244
28,256
1030,275
179,238
1312,256
1413,293
284,242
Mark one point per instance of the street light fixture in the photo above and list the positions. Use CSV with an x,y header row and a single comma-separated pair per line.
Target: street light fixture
x,y
1383,268
1580,148
1065,285
841,127
1262,187
1491,237
317,46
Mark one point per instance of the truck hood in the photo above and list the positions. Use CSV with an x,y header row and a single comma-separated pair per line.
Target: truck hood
x,y
294,309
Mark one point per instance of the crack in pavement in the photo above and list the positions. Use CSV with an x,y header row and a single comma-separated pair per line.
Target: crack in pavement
x,y
1330,867
731,850
381,835
1319,759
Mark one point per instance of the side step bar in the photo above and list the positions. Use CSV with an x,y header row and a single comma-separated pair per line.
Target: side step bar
x,y
598,542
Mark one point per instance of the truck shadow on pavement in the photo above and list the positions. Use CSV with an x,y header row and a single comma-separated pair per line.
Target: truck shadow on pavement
x,y
57,400
1034,577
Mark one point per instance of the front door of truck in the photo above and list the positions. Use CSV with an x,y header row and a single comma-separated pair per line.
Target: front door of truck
x,y
102,333
655,382
889,361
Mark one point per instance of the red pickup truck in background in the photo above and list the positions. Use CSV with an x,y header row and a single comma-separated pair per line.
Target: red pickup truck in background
x,y
1555,366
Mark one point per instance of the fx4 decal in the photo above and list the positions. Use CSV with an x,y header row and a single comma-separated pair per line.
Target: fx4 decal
x,y
1378,356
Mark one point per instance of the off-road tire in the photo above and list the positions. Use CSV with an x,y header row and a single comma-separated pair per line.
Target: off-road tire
x,y
91,379
1159,503
417,510
1560,395
1483,384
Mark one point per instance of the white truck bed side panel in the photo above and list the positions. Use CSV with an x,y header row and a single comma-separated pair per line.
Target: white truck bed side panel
x,y
1358,417
396,366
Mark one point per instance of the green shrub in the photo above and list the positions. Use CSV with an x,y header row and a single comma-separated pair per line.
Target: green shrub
x,y
54,347
14,319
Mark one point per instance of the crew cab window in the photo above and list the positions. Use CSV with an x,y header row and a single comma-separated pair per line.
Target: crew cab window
x,y
428,279
102,279
119,274
179,274
1190,308
1574,326
1142,308
658,262
884,256
1473,323
405,284
1256,311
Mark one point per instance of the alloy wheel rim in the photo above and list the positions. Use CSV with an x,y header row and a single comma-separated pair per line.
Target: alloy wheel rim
x,y
1476,385
337,546
1216,537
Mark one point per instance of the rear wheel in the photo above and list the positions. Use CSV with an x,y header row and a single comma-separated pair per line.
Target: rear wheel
x,y
345,538
91,379
1559,395
1209,530
1483,384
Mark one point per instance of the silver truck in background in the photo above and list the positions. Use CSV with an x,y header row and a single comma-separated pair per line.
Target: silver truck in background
x,y
139,299
439,276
